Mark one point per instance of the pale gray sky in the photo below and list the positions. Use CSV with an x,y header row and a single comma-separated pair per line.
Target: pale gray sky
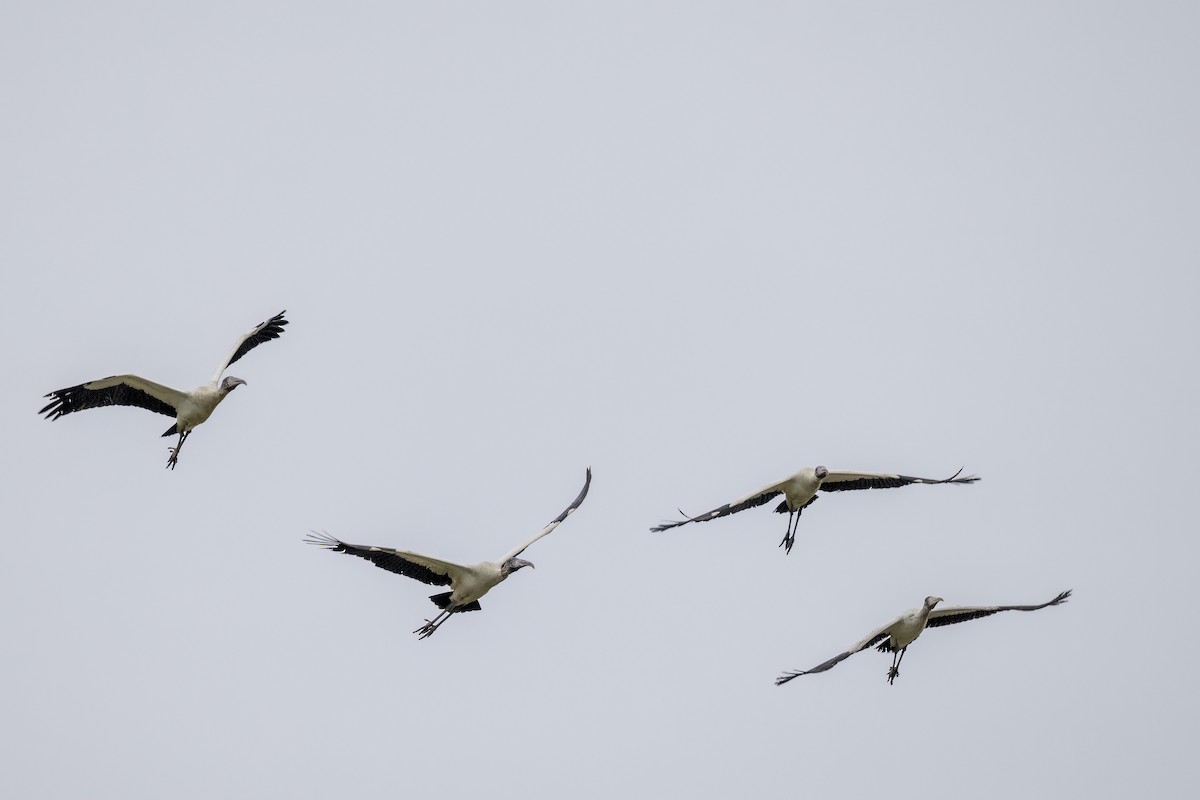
x,y
693,245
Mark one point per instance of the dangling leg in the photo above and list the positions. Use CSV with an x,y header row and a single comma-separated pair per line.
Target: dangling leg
x,y
430,628
431,622
432,625
174,451
897,657
788,537
793,527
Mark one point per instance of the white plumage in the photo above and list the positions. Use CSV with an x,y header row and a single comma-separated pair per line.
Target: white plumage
x,y
800,491
897,635
468,583
188,408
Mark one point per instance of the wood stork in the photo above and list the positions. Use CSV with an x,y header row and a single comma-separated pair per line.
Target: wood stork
x,y
897,635
188,408
800,491
467,583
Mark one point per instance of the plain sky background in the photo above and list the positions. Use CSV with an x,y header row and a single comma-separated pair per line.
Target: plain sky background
x,y
696,246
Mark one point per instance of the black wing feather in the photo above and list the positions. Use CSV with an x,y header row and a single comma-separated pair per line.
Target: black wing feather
x,y
723,511
938,622
978,613
382,559
833,662
77,398
890,482
267,331
867,483
782,508
442,600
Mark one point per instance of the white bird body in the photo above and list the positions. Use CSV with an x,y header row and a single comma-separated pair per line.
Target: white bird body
x,y
800,489
188,408
191,408
475,581
897,635
198,405
467,583
908,626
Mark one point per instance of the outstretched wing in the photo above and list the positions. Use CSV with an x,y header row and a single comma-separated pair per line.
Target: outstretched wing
x,y
873,638
262,332
842,481
554,523
115,390
432,571
752,500
954,614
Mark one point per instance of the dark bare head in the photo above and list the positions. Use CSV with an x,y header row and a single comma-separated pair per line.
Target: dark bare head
x,y
230,383
512,565
932,601
821,472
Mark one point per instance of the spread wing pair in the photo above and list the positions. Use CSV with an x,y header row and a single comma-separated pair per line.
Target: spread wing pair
x,y
896,635
189,408
468,582
799,491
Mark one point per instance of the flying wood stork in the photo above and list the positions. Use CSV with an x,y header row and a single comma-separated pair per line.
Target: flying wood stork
x,y
467,583
897,635
188,408
800,491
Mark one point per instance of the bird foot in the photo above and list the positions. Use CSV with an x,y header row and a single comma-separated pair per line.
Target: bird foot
x,y
426,630
787,543
174,451
893,673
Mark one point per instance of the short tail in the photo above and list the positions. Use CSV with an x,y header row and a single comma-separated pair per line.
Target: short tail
x,y
782,508
442,600
171,431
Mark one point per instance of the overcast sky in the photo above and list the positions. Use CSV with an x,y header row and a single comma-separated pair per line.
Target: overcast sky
x,y
695,246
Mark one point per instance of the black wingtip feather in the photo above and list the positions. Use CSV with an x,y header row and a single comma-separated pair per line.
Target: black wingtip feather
x,y
80,398
955,479
322,539
443,600
384,559
57,406
271,329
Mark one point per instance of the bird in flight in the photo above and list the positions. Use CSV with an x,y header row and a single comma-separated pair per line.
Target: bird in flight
x,y
467,583
800,491
188,408
897,635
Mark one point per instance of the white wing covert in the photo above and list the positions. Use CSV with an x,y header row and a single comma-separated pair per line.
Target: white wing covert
x,y
752,500
262,332
955,614
425,569
115,390
554,523
873,638
843,480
